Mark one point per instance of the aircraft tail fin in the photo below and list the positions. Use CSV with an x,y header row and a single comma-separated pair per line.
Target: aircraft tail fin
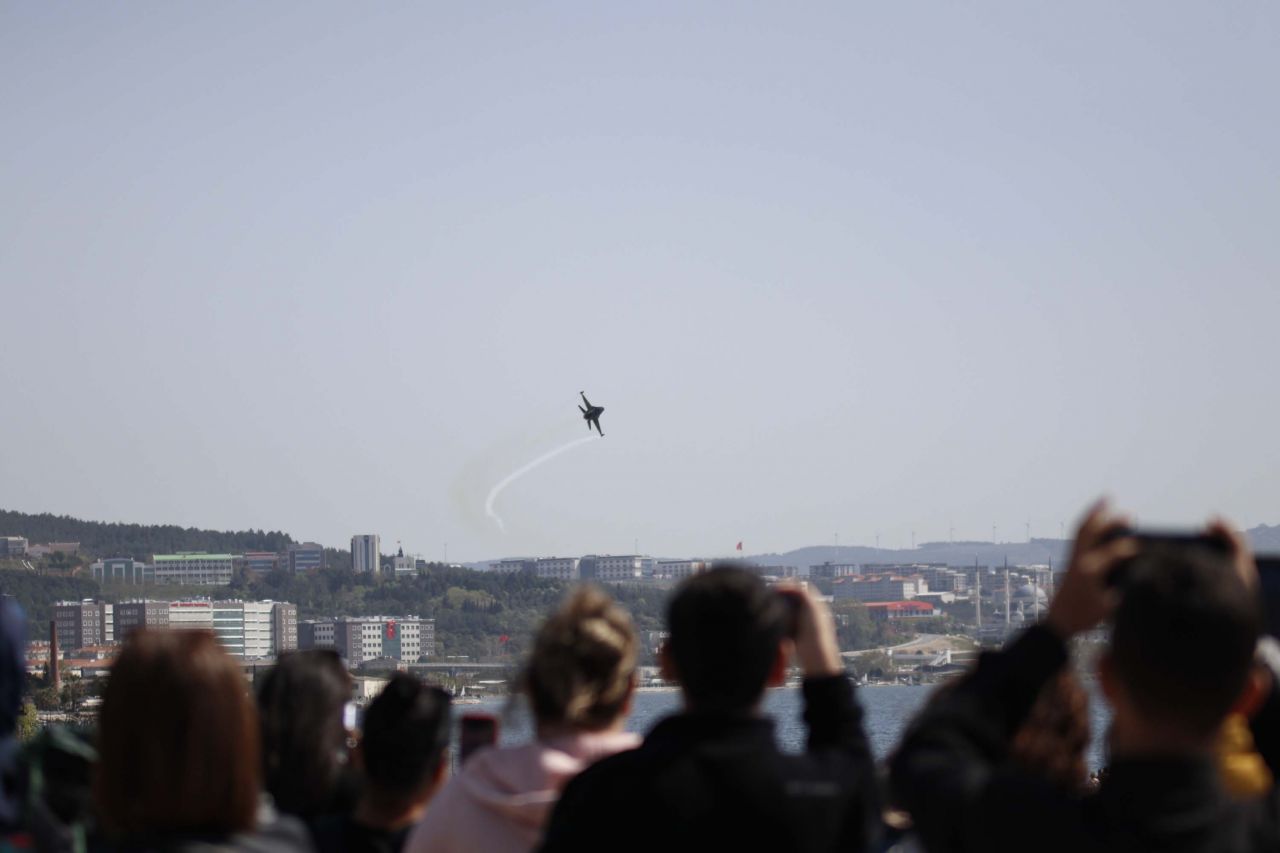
x,y
580,409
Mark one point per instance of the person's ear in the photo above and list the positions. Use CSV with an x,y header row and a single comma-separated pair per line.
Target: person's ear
x,y
1254,693
778,671
667,665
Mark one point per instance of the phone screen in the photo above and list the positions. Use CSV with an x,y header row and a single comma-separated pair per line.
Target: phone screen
x,y
1269,574
477,730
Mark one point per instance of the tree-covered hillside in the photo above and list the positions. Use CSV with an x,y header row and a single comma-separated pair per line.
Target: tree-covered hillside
x,y
37,594
139,541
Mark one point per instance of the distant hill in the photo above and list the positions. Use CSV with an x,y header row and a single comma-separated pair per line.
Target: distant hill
x,y
1264,539
139,541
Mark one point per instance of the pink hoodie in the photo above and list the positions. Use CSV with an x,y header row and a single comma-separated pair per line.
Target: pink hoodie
x,y
500,801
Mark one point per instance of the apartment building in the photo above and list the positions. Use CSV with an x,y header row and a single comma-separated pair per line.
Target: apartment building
x,y
83,623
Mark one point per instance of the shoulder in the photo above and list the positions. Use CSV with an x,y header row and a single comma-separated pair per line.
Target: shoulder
x,y
615,779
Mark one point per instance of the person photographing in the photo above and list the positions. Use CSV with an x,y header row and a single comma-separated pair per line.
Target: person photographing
x,y
1185,622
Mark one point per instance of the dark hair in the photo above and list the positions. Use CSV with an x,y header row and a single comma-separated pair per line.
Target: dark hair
x,y
177,739
304,748
584,657
406,733
1052,740
725,628
1184,636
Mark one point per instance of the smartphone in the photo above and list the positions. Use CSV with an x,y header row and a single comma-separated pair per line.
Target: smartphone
x,y
794,604
1269,574
350,716
1163,539
477,730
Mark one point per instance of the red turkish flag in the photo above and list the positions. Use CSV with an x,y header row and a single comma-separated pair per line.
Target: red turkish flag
x,y
739,546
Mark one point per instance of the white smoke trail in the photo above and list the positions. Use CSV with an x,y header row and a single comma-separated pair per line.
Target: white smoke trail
x,y
520,472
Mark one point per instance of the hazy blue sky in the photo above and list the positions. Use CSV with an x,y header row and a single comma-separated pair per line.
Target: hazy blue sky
x,y
831,269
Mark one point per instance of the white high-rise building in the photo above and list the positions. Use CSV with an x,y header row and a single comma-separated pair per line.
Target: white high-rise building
x,y
244,628
364,553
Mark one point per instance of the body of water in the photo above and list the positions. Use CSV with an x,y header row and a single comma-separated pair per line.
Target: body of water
x,y
888,710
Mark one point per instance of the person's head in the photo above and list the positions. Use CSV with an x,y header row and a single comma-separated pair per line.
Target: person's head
x,y
726,629
581,672
177,740
304,740
1182,641
1052,740
405,739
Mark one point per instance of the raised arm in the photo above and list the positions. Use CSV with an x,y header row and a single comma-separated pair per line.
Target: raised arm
x,y
948,769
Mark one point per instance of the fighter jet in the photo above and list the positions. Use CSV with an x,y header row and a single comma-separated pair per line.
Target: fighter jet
x,y
591,414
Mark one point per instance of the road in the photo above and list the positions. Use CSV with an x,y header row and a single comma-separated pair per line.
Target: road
x,y
922,643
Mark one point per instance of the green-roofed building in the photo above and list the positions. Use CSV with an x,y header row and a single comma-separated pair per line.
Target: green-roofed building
x,y
193,569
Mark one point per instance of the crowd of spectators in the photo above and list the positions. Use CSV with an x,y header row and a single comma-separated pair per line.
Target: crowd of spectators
x,y
188,757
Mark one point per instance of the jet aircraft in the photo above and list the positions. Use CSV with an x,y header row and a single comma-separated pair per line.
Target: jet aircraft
x,y
591,414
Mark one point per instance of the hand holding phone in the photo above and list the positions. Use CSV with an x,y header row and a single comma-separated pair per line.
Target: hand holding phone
x,y
814,632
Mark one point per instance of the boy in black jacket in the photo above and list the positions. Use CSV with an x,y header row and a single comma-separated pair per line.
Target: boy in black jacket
x,y
712,777
1185,625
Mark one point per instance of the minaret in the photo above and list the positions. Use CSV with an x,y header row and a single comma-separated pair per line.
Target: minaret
x,y
1006,596
55,672
977,595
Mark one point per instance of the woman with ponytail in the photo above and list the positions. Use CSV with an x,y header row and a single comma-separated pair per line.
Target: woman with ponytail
x,y
579,681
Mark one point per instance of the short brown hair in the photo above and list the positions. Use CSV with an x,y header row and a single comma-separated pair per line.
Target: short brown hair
x,y
178,739
584,657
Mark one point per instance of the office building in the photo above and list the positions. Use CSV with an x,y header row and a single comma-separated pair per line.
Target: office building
x,y
130,615
83,623
405,639
878,587
678,570
831,571
557,568
193,569
365,556
611,569
513,566
259,562
316,634
891,611
244,628
13,546
122,570
303,557
191,614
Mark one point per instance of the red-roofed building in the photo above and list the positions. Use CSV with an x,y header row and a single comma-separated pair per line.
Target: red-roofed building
x,y
887,611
